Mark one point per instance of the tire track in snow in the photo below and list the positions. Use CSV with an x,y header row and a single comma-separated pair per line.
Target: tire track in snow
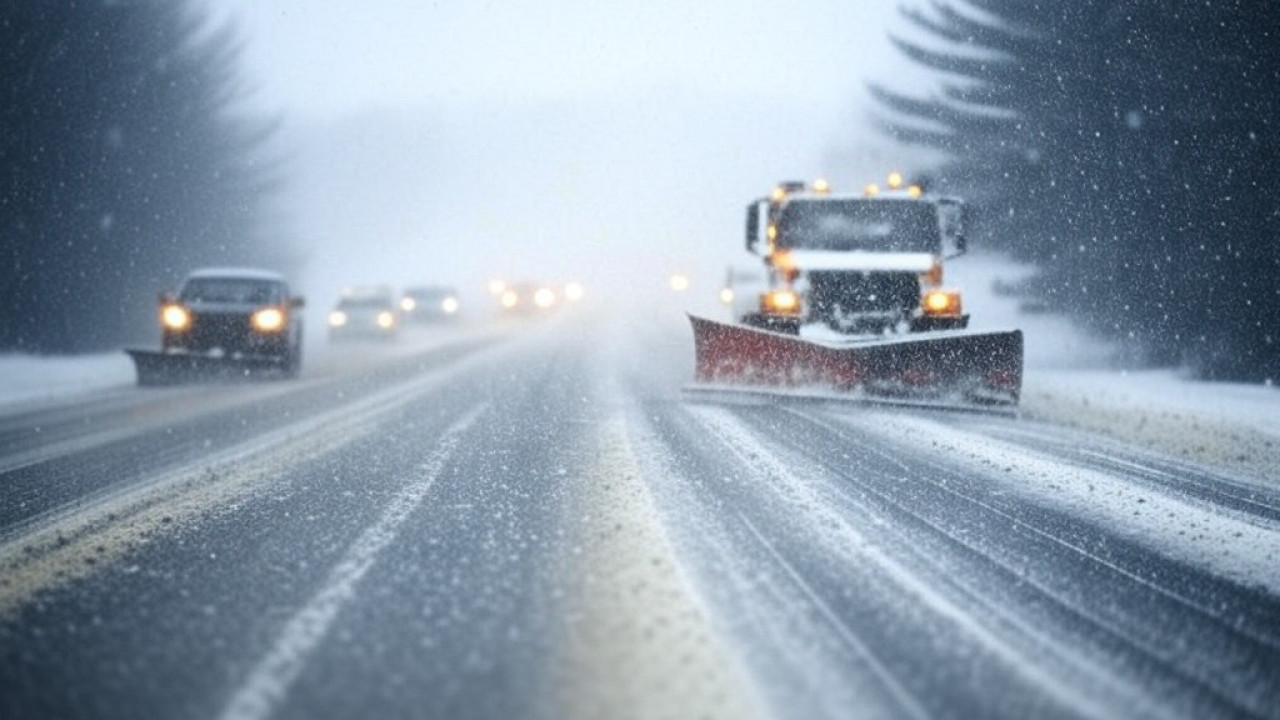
x,y
1227,546
1156,606
996,544
1165,474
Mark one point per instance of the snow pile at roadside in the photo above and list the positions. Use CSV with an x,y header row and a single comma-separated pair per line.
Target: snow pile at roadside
x,y
27,378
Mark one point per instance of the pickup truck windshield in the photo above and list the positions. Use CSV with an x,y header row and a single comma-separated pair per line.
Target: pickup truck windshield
x,y
860,224
241,291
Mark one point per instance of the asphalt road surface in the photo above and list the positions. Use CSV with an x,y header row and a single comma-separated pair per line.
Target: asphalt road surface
x,y
530,520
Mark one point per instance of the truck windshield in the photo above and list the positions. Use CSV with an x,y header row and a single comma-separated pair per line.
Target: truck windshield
x,y
860,224
246,291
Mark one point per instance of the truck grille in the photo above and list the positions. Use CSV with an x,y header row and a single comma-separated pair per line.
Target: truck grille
x,y
852,293
229,331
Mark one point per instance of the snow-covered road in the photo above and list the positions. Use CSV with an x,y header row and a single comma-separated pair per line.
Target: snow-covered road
x,y
510,520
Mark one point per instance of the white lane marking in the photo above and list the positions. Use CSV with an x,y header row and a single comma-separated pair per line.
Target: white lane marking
x,y
271,679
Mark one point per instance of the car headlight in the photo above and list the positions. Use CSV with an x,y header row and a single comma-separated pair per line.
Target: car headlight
x,y
386,320
407,304
780,302
726,296
175,317
268,319
449,305
509,299
573,292
941,302
337,318
544,298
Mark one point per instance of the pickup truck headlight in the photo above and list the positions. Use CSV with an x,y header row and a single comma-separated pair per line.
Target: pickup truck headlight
x,y
268,319
175,317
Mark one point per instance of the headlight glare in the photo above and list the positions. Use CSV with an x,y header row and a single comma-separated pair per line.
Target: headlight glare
x,y
781,302
268,319
175,317
941,302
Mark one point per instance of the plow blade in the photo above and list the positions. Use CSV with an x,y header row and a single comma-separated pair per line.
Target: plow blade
x,y
159,368
960,367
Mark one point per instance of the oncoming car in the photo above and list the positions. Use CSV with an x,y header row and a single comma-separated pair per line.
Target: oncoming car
x,y
526,298
228,321
429,304
365,313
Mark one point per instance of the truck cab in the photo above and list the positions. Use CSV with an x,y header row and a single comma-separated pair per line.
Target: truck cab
x,y
867,263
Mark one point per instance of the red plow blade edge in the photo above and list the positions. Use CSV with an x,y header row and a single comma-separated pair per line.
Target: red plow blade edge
x,y
975,368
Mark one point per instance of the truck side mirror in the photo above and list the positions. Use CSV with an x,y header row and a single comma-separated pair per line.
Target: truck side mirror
x,y
753,226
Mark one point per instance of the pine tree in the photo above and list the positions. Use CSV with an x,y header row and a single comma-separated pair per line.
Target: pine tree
x,y
1122,146
123,165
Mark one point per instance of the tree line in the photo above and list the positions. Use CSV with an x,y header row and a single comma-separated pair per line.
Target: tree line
x,y
1127,148
124,162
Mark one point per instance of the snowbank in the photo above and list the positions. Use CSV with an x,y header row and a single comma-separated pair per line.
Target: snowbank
x,y
31,378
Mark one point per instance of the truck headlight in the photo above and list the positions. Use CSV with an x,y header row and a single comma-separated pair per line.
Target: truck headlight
x,y
544,298
407,304
337,318
175,317
726,296
941,302
386,320
780,302
449,305
268,319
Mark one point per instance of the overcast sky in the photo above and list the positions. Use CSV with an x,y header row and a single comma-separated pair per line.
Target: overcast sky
x,y
336,55
556,138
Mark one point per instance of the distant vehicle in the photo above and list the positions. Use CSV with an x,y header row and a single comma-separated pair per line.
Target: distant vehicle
x,y
527,298
365,313
225,321
429,304
741,291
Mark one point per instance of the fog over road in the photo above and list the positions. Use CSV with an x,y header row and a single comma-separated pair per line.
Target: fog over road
x,y
528,520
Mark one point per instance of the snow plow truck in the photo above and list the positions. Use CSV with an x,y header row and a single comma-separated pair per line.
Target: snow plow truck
x,y
225,323
855,301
